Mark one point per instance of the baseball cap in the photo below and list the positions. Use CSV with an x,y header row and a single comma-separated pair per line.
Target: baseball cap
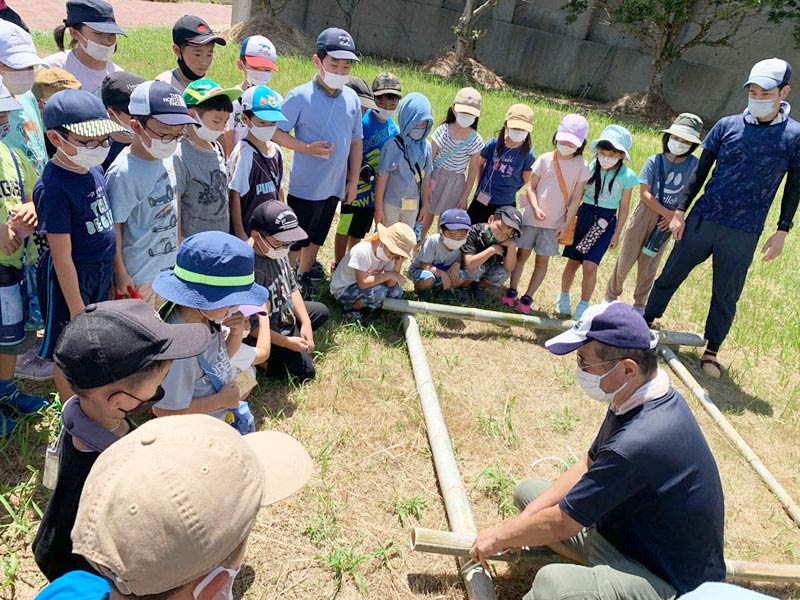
x,y
96,14
510,216
264,102
573,129
613,324
455,218
111,340
7,101
117,88
770,73
399,238
618,137
259,52
386,83
338,43
686,126
16,47
519,116
278,220
170,501
161,101
76,585
363,91
204,89
195,31
468,100
80,112
50,80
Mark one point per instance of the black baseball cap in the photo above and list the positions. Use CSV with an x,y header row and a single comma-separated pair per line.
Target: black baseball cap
x,y
278,220
363,91
195,31
112,340
117,88
510,216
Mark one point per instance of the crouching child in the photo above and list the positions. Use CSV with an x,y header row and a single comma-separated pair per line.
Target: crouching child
x,y
490,253
437,265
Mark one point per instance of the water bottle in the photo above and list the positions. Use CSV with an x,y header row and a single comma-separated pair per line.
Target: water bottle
x,y
12,311
243,420
654,241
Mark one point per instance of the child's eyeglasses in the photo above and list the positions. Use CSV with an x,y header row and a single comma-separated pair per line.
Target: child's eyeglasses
x,y
165,138
90,144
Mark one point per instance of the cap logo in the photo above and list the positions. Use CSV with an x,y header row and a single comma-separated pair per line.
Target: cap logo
x,y
268,101
286,220
344,41
201,28
173,100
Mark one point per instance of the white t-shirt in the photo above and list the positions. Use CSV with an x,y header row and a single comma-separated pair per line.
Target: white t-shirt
x,y
361,258
90,79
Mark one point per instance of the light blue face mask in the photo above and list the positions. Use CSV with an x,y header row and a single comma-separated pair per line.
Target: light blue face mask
x,y
417,133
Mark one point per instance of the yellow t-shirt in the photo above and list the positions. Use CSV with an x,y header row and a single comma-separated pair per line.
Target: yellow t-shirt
x,y
11,194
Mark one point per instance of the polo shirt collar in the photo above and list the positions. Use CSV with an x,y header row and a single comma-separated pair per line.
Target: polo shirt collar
x,y
650,390
783,115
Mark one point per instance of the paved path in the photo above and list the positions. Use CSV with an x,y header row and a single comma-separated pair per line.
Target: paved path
x,y
44,15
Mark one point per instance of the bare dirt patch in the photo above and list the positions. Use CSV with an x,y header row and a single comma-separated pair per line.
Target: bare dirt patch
x,y
448,66
287,38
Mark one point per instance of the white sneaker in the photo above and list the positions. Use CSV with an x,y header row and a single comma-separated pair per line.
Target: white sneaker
x,y
30,366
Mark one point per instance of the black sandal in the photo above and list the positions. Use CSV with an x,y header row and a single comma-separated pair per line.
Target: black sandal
x,y
710,366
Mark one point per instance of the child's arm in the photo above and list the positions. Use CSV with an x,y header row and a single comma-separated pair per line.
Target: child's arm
x,y
228,397
9,242
264,340
425,200
235,202
354,169
622,216
533,199
646,196
122,281
476,162
434,149
473,261
510,260
366,281
61,253
234,341
301,314
380,190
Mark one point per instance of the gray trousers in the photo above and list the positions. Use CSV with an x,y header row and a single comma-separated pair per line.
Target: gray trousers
x,y
609,574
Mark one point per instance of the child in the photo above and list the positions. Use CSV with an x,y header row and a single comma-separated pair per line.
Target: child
x,y
256,163
505,165
355,218
193,43
74,214
662,185
47,82
403,188
292,320
456,145
116,94
200,172
601,215
141,187
490,253
555,186
94,34
114,355
437,265
212,278
370,271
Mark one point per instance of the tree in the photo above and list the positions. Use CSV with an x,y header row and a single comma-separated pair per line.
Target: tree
x,y
270,8
466,33
348,8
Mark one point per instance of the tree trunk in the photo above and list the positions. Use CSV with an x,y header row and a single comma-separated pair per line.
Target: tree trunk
x,y
264,7
464,44
656,89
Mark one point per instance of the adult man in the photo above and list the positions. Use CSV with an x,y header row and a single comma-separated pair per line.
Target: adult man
x,y
752,151
648,487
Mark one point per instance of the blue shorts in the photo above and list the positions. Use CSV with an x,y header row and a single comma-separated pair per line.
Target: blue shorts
x,y
371,297
586,214
416,274
94,283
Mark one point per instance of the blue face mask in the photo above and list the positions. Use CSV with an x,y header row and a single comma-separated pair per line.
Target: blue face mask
x,y
417,133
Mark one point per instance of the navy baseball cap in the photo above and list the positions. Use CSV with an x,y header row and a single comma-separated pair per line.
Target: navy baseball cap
x,y
455,218
80,112
613,324
95,14
195,31
510,216
338,43
162,102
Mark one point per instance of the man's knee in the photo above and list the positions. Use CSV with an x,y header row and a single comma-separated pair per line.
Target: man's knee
x,y
562,582
527,491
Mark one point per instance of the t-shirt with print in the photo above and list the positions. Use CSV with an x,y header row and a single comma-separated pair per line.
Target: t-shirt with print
x,y
113,153
404,179
77,204
376,134
361,257
26,132
255,177
478,241
548,191
235,123
143,199
456,161
11,190
676,176
626,179
434,252
201,179
169,78
91,79
501,177
277,276
186,378
751,163
316,116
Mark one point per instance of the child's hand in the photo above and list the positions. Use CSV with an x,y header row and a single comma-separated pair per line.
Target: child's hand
x,y
614,240
561,231
539,213
296,344
321,149
378,215
308,335
397,278
462,204
230,395
677,225
351,191
9,241
123,282
446,283
235,322
24,214
510,244
498,249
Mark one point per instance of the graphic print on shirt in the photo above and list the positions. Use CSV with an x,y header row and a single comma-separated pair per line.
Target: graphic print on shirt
x,y
102,212
169,192
165,219
162,246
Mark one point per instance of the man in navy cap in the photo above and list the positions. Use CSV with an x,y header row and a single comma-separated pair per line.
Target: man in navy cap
x,y
642,512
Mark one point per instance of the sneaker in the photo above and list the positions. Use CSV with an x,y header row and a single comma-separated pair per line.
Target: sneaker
x,y
31,367
354,316
563,308
317,271
524,305
509,298
478,293
7,424
24,403
579,309
307,289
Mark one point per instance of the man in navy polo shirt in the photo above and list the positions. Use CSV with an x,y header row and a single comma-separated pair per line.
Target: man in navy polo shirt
x,y
643,510
752,151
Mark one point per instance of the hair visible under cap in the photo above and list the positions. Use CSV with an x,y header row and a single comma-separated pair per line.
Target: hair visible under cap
x,y
130,382
646,359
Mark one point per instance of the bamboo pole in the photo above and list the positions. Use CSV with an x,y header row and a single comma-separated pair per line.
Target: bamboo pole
x,y
454,544
476,579
670,338
742,446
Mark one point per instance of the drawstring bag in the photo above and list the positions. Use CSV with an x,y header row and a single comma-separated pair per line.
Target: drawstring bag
x,y
590,239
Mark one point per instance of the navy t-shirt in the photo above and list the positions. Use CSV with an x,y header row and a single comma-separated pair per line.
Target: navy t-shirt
x,y
501,178
653,491
76,204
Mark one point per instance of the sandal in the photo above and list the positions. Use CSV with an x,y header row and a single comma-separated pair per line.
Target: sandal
x,y
710,366
510,297
524,305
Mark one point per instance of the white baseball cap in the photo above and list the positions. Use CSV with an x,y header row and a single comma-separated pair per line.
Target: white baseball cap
x,y
770,73
16,47
259,52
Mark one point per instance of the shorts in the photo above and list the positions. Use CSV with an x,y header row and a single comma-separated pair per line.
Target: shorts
x,y
392,213
495,275
371,297
94,283
446,190
416,274
542,241
355,221
586,218
314,217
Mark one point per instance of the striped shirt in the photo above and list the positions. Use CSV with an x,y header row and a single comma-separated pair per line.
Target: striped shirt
x,y
458,161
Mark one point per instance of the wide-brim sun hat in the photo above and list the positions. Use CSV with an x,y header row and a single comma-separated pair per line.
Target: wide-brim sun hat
x,y
618,137
399,238
686,126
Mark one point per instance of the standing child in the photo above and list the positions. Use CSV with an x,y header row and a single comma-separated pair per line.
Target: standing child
x,y
437,265
555,186
193,43
490,253
141,187
601,215
456,145
116,95
505,165
662,185
403,186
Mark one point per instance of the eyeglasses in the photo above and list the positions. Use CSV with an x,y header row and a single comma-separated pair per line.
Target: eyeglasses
x,y
90,144
165,138
583,365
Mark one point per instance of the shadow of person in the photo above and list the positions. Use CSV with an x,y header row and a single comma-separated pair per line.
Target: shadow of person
x,y
244,581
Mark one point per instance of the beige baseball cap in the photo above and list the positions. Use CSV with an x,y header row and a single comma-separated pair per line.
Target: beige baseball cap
x,y
519,116
399,238
468,100
170,501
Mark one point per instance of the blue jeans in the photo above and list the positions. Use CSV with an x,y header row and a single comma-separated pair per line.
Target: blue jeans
x,y
371,297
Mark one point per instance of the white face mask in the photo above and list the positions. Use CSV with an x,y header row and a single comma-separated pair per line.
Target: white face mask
x,y
464,120
161,150
333,80
418,133
452,244
206,133
277,253
517,135
606,162
255,77
384,114
678,148
86,157
98,51
590,384
565,150
229,312
758,108
18,82
381,254
263,134
225,593
127,133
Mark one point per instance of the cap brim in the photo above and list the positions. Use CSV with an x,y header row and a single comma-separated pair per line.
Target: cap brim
x,y
94,128
287,465
511,223
563,136
683,135
290,235
248,310
7,104
367,102
616,146
202,40
260,62
105,27
566,342
207,297
466,108
454,226
269,115
520,124
22,60
232,93
765,83
186,340
174,119
386,92
342,55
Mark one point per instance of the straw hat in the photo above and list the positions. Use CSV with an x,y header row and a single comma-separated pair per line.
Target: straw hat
x,y
399,238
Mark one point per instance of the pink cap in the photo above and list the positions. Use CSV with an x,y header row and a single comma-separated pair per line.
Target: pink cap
x,y
573,129
248,310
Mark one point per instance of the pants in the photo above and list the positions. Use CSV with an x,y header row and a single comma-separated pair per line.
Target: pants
x,y
731,251
609,574
394,214
495,274
283,362
371,297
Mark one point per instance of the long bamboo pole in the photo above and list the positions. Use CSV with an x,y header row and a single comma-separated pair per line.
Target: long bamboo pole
x,y
459,514
742,446
454,544
671,338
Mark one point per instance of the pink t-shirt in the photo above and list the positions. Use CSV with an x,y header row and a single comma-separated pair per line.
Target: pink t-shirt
x,y
551,200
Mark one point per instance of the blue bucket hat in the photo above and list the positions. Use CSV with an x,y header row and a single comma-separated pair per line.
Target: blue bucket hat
x,y
213,270
617,136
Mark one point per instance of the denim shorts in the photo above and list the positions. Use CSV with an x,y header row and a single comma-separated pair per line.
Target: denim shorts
x,y
371,297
